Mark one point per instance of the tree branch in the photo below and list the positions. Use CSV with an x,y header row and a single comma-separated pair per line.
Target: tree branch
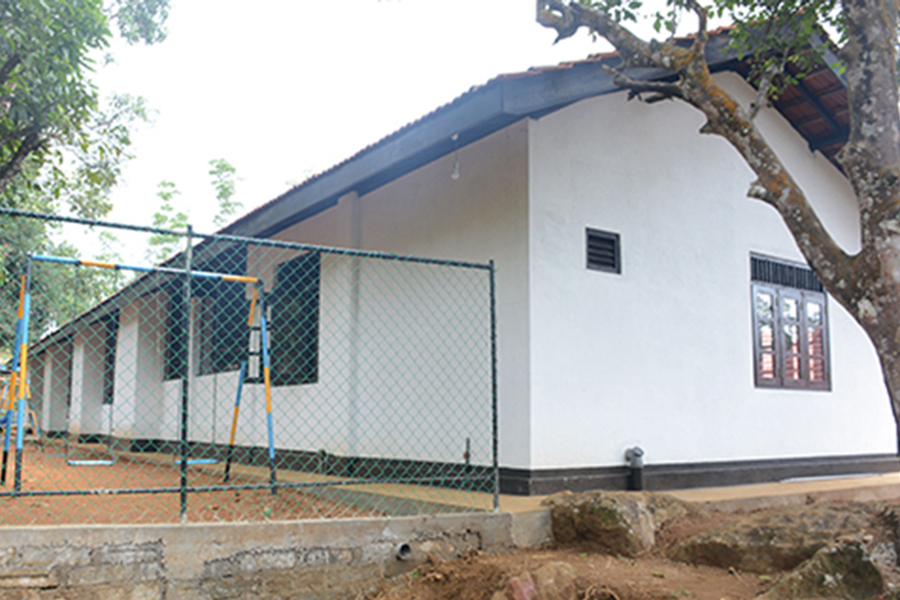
x,y
555,15
17,133
776,187
6,70
699,45
725,117
765,84
31,143
659,89
566,19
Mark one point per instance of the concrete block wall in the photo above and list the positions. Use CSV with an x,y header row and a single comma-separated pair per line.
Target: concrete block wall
x,y
304,559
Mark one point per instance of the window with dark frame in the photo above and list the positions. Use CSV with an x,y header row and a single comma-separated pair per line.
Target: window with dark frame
x,y
109,358
219,317
790,326
175,354
220,325
602,251
294,303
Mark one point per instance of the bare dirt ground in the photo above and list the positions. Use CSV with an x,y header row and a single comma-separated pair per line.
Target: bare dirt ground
x,y
102,503
601,577
478,576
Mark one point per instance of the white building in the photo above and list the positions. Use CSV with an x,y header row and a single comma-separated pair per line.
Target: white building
x,y
629,264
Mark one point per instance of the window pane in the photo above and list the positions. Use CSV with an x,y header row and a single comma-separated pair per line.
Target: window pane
x,y
789,308
294,303
792,368
764,302
792,339
767,365
813,313
766,337
816,345
817,369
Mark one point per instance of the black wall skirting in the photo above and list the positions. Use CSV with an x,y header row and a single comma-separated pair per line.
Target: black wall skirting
x,y
526,482
529,482
452,475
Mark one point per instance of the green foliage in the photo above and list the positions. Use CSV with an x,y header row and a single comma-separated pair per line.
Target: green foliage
x,y
59,292
140,20
224,178
619,10
773,33
161,246
44,48
80,176
61,149
49,105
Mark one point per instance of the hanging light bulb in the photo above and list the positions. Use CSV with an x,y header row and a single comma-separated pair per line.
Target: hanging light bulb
x,y
454,174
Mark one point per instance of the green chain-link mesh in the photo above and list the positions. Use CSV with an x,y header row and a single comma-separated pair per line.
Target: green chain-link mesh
x,y
380,399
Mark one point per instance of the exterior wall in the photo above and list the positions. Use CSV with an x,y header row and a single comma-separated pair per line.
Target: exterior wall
x,y
138,401
37,372
479,216
87,412
376,318
55,384
661,356
379,368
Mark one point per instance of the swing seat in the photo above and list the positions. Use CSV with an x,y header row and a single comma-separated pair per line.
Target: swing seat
x,y
199,461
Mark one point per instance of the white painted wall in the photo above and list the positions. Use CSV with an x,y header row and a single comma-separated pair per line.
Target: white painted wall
x,y
590,363
55,384
479,216
86,414
36,373
138,400
391,371
662,355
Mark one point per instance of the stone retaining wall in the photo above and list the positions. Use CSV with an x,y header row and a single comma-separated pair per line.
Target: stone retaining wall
x,y
309,559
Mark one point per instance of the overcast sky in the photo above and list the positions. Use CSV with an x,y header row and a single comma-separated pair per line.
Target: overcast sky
x,y
283,89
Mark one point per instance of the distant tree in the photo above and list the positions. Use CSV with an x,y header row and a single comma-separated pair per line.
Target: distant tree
x,y
47,103
61,148
161,246
773,34
223,181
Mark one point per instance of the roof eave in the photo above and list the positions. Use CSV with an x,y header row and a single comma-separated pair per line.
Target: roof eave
x,y
471,117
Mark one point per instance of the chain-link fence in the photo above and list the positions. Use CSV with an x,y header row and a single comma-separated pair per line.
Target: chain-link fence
x,y
243,380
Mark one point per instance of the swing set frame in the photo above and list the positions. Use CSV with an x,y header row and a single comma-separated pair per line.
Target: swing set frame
x,y
19,376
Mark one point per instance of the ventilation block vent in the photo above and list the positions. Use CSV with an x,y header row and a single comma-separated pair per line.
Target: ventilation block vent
x,y
603,251
768,270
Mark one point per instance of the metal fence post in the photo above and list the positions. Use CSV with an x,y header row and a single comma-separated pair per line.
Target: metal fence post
x,y
494,416
186,336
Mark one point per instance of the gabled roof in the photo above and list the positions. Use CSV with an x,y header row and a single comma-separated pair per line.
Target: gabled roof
x,y
816,107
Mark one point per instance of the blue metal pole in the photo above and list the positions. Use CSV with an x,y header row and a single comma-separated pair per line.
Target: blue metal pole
x,y
122,267
12,387
264,342
23,376
234,419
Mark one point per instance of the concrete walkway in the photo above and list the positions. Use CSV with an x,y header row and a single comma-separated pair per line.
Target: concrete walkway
x,y
749,497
